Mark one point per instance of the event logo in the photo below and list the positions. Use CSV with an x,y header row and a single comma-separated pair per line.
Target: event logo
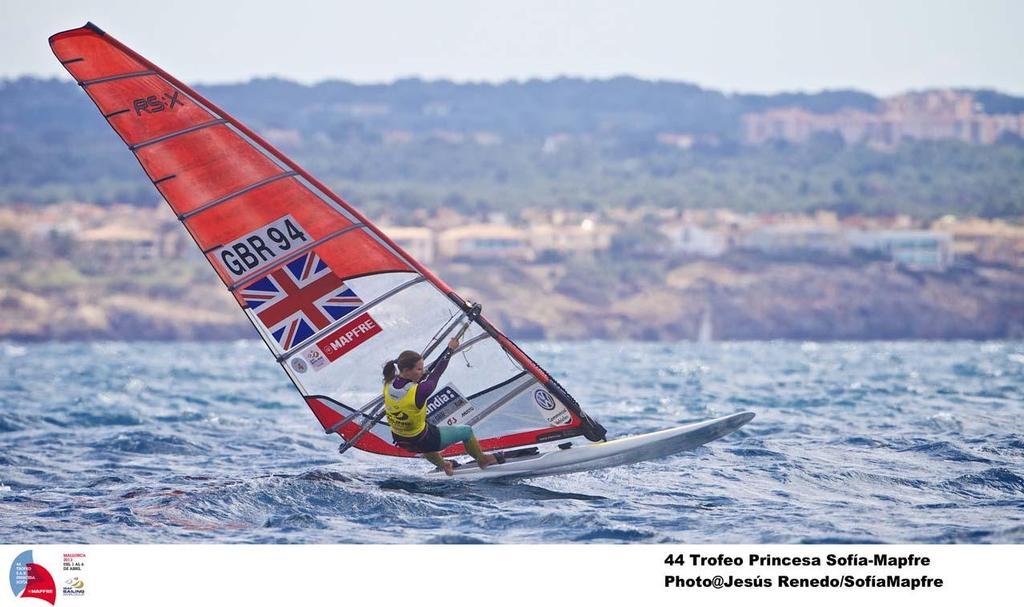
x,y
74,586
74,563
31,580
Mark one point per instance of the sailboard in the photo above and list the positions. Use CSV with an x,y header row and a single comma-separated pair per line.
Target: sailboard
x,y
329,293
569,457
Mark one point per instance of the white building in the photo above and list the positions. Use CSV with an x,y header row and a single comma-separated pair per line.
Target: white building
x,y
485,241
118,243
694,240
912,248
418,242
585,237
797,238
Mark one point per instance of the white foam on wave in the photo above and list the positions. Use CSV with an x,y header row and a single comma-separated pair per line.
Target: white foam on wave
x,y
14,351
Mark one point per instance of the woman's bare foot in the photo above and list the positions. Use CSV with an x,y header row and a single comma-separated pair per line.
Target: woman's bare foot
x,y
486,461
448,467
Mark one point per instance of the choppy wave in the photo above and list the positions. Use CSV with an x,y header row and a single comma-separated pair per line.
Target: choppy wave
x,y
877,442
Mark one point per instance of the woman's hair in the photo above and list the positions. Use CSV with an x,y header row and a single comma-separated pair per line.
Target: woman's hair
x,y
405,361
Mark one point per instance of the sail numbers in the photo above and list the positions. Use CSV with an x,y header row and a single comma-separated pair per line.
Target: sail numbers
x,y
261,246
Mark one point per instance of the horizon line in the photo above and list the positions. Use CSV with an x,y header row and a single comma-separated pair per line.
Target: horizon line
x,y
550,79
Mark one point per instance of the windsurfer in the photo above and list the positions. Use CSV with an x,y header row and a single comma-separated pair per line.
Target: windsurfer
x,y
406,390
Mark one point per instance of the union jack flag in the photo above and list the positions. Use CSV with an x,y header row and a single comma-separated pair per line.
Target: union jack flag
x,y
298,299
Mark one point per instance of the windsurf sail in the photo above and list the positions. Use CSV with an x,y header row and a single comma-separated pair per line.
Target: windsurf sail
x,y
328,292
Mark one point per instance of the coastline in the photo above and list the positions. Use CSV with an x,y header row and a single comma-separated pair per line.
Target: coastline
x,y
727,299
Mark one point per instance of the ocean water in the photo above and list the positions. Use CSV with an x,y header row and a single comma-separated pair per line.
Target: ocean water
x,y
864,442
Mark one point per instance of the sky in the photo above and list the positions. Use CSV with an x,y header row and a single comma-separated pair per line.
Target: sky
x,y
881,47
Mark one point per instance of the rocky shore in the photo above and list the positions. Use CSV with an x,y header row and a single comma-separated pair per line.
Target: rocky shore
x,y
748,300
735,298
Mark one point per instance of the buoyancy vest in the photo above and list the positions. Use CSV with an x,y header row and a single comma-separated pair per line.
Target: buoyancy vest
x,y
404,417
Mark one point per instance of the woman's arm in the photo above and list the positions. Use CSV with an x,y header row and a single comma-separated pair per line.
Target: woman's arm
x,y
428,383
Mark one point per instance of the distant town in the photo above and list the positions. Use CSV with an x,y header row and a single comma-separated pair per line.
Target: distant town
x,y
931,115
571,209
112,236
935,115
86,271
545,235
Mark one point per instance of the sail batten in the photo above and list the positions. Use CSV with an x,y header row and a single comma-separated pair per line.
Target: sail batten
x,y
115,77
329,293
227,197
184,131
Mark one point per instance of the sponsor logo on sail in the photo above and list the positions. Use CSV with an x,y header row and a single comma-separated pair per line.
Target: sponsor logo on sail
x,y
544,400
554,411
348,337
445,396
448,407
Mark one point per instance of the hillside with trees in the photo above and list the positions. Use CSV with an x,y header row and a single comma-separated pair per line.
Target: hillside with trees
x,y
567,143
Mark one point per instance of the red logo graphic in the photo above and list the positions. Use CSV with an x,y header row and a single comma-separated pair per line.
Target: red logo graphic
x,y
40,584
31,580
346,338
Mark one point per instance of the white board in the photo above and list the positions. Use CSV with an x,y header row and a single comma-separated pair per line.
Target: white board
x,y
593,456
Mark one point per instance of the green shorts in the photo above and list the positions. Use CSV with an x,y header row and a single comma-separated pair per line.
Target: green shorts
x,y
454,434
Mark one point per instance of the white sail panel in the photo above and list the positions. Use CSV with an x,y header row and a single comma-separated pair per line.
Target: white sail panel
x,y
408,320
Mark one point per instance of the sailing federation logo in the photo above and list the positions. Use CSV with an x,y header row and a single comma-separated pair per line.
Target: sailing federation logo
x,y
298,299
31,580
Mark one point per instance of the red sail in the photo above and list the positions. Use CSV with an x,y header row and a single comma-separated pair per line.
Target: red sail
x,y
329,292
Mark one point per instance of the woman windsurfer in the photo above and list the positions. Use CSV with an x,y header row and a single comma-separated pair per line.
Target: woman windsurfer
x,y
406,390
